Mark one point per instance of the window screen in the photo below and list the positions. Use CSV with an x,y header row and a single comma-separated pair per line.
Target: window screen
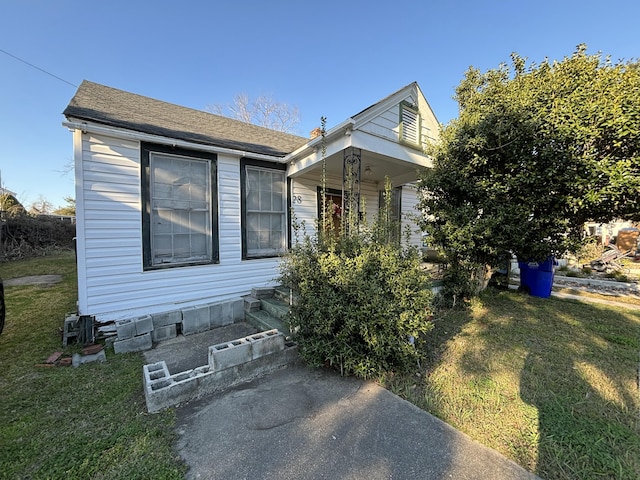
x,y
265,208
180,200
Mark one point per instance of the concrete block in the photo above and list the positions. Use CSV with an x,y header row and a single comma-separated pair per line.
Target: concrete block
x,y
78,359
251,304
134,344
262,292
166,332
144,325
216,315
163,390
71,328
155,371
126,328
237,306
195,320
229,354
222,313
166,318
266,343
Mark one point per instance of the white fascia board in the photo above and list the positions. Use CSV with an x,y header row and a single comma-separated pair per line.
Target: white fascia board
x,y
338,131
314,157
86,127
384,146
384,105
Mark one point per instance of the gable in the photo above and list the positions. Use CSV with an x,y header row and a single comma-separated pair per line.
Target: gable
x,y
404,117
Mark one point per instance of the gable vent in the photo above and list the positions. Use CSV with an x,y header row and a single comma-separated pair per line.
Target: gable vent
x,y
410,124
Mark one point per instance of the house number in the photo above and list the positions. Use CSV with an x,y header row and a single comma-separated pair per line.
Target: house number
x,y
297,200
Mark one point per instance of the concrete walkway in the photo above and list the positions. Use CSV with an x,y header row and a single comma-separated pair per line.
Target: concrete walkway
x,y
303,423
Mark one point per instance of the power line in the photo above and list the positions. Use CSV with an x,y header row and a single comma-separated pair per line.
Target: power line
x,y
38,68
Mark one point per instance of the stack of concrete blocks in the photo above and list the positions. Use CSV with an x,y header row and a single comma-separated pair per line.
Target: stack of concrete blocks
x,y
236,352
134,334
230,363
138,334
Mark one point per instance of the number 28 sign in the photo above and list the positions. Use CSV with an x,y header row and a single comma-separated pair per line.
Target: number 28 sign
x,y
296,199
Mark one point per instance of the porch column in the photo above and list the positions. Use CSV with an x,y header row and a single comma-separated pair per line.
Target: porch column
x,y
351,167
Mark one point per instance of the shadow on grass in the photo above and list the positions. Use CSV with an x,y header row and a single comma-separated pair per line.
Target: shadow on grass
x,y
577,365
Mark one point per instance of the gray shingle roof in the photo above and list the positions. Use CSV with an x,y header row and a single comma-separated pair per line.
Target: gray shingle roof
x,y
109,106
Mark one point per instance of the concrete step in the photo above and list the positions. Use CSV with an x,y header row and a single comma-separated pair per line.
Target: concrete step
x,y
275,307
284,294
263,320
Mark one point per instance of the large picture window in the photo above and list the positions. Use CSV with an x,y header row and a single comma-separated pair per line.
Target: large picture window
x,y
180,214
264,206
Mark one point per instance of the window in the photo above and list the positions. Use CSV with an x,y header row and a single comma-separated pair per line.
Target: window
x,y
180,216
409,124
394,214
264,206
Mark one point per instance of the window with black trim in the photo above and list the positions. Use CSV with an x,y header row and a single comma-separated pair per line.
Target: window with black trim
x,y
180,215
264,207
394,213
409,124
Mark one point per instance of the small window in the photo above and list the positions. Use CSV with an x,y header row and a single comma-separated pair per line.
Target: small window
x,y
264,206
180,214
409,124
394,214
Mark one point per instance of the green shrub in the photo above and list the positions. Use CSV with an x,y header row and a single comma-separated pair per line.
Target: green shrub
x,y
27,235
363,301
360,306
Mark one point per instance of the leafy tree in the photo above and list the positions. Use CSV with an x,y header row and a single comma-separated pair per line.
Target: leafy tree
x,y
536,151
263,111
68,209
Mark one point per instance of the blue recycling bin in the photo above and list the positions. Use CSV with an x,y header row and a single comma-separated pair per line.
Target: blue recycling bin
x,y
537,277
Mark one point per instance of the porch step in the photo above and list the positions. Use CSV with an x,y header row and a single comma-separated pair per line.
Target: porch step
x,y
275,307
263,320
284,294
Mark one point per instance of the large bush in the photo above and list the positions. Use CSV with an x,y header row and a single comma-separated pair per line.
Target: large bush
x,y
363,303
27,235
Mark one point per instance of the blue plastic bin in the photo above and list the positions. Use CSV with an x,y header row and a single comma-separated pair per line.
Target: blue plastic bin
x,y
537,277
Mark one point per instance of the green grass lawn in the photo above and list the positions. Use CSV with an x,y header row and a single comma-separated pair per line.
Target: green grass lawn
x,y
550,383
62,422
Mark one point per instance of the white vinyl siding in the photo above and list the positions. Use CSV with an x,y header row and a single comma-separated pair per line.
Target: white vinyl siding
x,y
112,281
389,123
180,209
409,212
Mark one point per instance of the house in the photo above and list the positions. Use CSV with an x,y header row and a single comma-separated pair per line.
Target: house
x,y
178,208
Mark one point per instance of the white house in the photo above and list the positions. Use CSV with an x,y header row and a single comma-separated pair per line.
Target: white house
x,y
178,207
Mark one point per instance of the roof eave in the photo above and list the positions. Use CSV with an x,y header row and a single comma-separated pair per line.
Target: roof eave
x,y
86,126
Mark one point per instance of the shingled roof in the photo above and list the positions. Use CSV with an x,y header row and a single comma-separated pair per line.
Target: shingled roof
x,y
109,106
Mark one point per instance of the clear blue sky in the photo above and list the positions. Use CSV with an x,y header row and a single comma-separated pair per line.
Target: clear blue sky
x,y
328,57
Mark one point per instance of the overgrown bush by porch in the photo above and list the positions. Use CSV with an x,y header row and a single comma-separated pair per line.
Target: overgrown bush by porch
x,y
363,302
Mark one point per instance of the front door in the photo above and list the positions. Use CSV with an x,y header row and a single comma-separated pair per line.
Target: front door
x,y
333,199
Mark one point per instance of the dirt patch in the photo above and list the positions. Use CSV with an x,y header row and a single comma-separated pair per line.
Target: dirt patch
x,y
34,280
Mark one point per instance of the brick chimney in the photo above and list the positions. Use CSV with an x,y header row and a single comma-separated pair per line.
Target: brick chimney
x,y
316,132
